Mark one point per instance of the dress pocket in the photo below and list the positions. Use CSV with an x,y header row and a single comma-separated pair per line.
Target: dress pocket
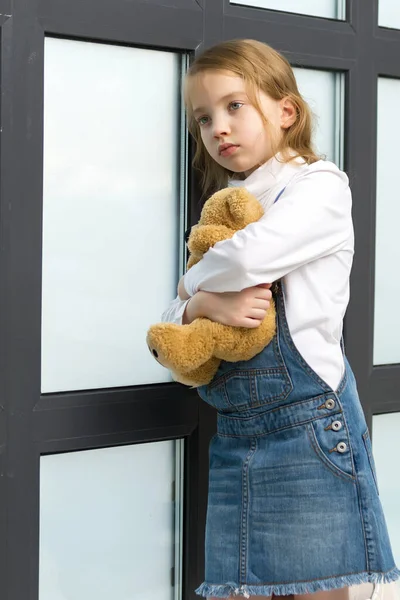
x,y
330,442
251,388
371,461
250,384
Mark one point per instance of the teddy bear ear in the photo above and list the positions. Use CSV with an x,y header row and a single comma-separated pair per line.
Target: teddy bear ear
x,y
243,207
211,211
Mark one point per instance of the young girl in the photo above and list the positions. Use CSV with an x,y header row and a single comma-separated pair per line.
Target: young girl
x,y
293,506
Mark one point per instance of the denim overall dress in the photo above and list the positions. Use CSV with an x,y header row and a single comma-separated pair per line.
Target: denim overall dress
x,y
293,504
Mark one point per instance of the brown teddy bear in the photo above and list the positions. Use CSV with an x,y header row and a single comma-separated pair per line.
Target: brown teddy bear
x,y
193,352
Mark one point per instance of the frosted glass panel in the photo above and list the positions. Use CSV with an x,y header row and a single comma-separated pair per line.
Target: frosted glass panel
x,y
386,446
389,13
324,92
330,9
111,211
387,288
107,524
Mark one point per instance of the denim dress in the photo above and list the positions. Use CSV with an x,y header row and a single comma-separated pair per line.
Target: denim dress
x,y
293,504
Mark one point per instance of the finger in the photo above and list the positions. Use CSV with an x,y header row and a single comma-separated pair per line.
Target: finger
x,y
256,292
259,303
263,294
264,285
251,323
256,313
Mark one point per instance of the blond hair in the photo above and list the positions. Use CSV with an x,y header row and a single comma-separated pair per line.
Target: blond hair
x,y
262,68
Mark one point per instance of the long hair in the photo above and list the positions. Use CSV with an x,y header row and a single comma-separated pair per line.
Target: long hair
x,y
262,68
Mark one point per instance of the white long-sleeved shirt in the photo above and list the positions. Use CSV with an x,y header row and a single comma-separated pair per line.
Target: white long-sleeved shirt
x,y
306,238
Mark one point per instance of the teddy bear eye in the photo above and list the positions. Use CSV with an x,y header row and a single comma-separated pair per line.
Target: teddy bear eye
x,y
155,353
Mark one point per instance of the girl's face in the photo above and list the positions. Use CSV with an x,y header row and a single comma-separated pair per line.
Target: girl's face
x,y
232,129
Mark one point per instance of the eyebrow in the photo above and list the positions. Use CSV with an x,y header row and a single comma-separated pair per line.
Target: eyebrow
x,y
200,109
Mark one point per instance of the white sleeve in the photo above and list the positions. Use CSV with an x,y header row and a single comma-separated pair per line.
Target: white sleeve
x,y
311,220
174,312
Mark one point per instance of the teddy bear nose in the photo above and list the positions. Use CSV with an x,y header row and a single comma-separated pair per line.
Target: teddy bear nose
x,y
155,353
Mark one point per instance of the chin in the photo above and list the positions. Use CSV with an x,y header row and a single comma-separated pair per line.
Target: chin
x,y
247,170
241,168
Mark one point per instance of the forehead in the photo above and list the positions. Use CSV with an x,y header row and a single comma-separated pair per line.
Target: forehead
x,y
210,87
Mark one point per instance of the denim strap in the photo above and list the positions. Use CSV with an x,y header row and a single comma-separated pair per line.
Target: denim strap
x,y
279,195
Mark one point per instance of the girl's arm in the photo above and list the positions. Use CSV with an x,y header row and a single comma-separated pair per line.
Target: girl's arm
x,y
310,221
238,309
175,311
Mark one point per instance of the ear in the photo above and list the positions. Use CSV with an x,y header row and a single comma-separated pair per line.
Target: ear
x,y
211,212
243,207
288,113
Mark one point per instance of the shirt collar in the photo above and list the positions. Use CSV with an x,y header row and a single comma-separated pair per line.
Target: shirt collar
x,y
266,181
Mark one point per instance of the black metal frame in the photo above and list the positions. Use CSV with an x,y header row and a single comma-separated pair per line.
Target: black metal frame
x,y
32,424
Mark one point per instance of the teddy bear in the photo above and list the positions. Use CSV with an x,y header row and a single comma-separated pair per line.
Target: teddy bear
x,y
194,352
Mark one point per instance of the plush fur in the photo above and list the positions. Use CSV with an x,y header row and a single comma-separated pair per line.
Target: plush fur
x,y
193,352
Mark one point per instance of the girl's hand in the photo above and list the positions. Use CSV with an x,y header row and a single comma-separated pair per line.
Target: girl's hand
x,y
238,309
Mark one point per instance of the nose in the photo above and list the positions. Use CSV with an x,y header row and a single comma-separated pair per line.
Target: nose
x,y
221,126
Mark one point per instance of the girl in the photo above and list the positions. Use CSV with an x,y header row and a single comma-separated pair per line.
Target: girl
x,y
293,506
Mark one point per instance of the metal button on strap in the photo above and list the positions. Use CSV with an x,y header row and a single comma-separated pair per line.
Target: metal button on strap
x,y
337,425
341,447
329,404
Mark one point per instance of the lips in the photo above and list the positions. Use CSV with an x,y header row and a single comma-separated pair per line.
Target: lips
x,y
227,149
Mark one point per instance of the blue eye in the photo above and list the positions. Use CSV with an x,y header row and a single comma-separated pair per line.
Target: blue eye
x,y
235,105
202,121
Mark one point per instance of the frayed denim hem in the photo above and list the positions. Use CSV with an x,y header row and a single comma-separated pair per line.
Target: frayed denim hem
x,y
308,587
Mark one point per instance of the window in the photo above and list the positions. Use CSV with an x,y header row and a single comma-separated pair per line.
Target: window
x,y
324,92
389,14
111,211
330,9
110,523
386,446
387,253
